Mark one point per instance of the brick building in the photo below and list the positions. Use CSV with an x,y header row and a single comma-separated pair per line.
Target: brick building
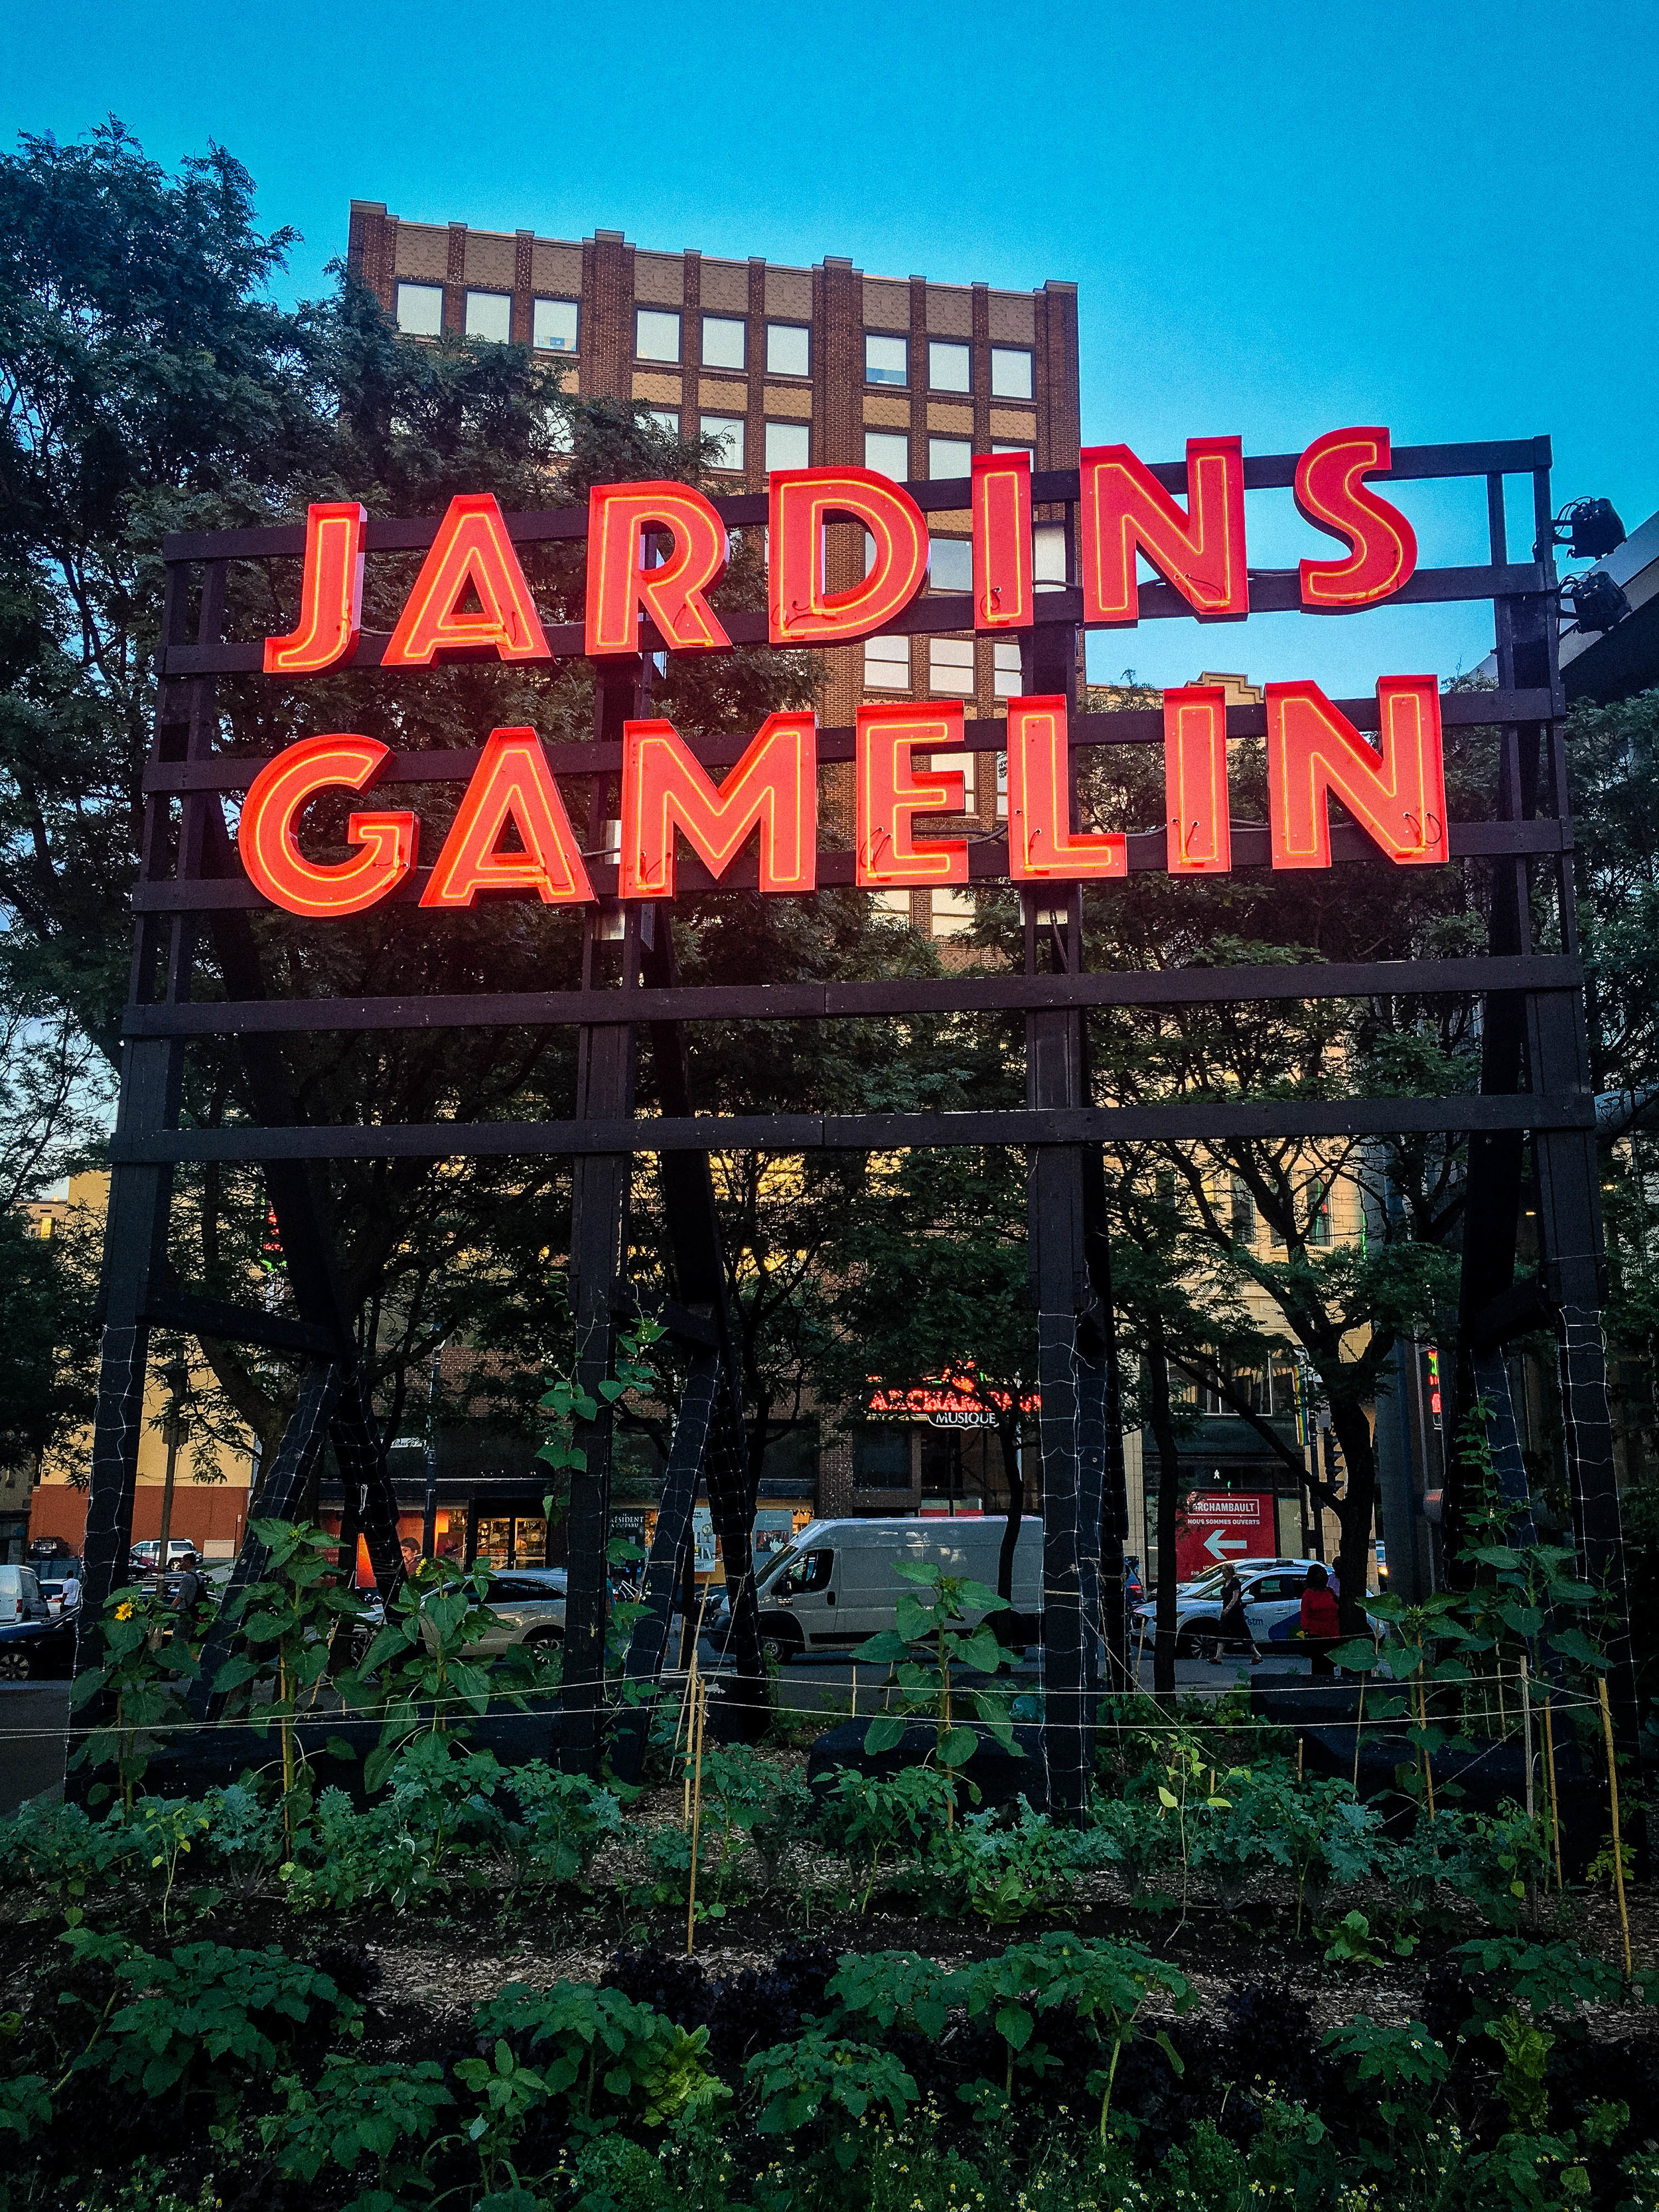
x,y
789,368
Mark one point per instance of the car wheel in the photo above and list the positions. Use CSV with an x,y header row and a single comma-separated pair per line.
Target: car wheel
x,y
15,1664
544,1639
778,1646
1187,1642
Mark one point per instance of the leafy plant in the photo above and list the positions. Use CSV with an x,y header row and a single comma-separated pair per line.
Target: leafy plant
x,y
287,1623
423,1672
599,2044
899,1813
1107,1986
133,1687
820,2075
928,1649
356,2109
570,1819
203,2020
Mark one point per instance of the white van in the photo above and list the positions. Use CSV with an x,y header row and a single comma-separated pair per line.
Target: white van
x,y
19,1595
837,1583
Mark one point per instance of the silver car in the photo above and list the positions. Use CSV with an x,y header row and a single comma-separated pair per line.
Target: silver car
x,y
528,1603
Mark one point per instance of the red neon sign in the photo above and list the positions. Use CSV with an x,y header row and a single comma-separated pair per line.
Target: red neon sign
x,y
1397,793
802,609
619,584
774,787
471,552
264,835
513,784
1004,589
1043,846
330,593
891,793
1198,832
1123,508
1330,491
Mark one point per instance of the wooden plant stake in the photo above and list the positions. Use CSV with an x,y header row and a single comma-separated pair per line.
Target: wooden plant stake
x,y
1526,1730
1359,1730
1549,1769
696,1823
1613,1799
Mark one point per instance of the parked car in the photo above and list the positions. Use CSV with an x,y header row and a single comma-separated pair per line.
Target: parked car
x,y
142,1556
19,1596
837,1582
528,1603
31,1651
1273,1605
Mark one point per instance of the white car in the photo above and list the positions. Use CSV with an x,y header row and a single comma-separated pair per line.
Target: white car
x,y
1273,1604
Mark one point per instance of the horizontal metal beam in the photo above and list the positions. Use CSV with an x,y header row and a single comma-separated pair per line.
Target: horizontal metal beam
x,y
237,1324
1272,591
738,510
1181,1121
899,995
982,733
987,863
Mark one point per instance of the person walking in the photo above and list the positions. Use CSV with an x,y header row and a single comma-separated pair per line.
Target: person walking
x,y
1233,1627
1321,1624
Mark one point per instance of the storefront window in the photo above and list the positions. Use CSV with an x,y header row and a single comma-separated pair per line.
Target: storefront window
x,y
495,1542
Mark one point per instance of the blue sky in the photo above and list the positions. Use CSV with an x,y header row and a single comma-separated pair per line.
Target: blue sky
x,y
1280,218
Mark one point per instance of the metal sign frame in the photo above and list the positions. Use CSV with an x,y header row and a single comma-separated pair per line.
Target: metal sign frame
x,y
192,898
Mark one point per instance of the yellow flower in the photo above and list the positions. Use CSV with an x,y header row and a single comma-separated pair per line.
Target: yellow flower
x,y
125,1612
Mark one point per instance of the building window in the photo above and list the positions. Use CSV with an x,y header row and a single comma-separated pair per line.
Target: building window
x,y
728,428
788,349
950,564
950,368
886,361
887,664
1243,1223
1011,372
1030,451
892,906
1002,787
954,909
950,457
1005,670
966,765
553,327
888,451
656,334
881,1456
951,667
1049,555
667,419
490,315
1319,1214
725,341
421,310
789,446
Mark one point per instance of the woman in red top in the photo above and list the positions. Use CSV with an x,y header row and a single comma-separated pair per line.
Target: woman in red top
x,y
1321,1625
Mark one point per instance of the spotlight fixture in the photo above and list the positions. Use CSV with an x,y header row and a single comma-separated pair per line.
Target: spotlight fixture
x,y
1597,601
1589,528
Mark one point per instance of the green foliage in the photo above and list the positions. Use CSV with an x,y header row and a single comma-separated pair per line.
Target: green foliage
x,y
904,1812
1405,2058
818,2077
423,1672
357,2109
204,2019
928,1649
133,1688
286,1623
1012,1868
437,1819
569,1820
602,2054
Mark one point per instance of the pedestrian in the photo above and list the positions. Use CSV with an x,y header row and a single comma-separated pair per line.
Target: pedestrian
x,y
1321,1624
187,1591
1234,1628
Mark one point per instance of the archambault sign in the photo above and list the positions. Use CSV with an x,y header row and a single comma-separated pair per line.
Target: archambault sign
x,y
512,833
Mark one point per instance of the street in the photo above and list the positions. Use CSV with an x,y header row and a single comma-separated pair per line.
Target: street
x,y
32,1718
